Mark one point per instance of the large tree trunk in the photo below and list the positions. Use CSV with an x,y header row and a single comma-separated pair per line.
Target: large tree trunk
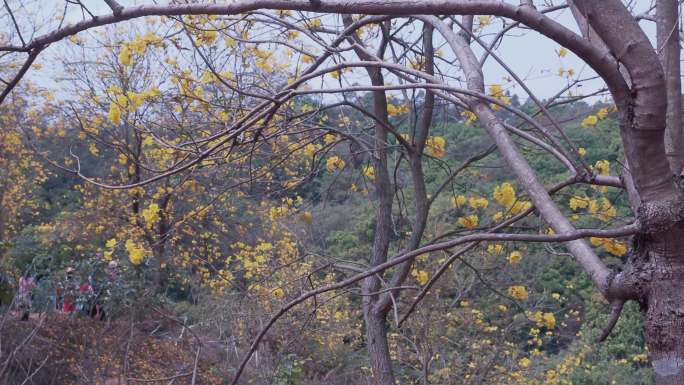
x,y
376,333
654,273
378,346
377,307
664,300
375,320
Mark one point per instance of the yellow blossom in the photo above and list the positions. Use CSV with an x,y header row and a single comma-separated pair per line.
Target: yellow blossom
x,y
311,149
458,201
469,222
369,172
315,23
589,121
495,90
334,163
514,257
602,167
93,149
504,194
136,253
469,116
114,113
495,248
151,214
435,146
524,362
329,138
125,56
520,206
518,292
478,202
605,210
208,37
549,320
610,245
603,113
393,110
578,203
421,276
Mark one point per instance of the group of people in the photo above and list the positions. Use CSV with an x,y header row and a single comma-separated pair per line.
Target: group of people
x,y
70,295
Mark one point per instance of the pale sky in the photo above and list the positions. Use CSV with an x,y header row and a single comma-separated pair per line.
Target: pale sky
x,y
532,56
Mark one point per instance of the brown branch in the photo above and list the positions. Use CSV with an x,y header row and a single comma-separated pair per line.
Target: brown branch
x,y
14,21
615,311
33,54
507,237
115,6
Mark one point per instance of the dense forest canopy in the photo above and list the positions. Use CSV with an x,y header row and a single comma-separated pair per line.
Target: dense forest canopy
x,y
332,192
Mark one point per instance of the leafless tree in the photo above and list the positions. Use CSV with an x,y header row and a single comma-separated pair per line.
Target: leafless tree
x,y
644,83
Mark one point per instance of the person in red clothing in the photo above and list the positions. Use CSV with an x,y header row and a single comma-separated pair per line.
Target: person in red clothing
x,y
68,305
24,300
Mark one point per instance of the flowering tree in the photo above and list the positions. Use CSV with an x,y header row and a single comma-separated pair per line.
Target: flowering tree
x,y
389,52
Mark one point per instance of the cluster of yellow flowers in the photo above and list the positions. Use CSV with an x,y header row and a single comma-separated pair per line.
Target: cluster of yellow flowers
x,y
311,149
207,37
605,211
568,73
579,203
136,252
469,221
369,172
110,245
458,201
315,23
518,292
592,120
602,167
505,195
484,20
495,248
547,320
334,163
277,212
478,202
151,215
497,92
138,46
127,101
601,208
613,246
514,257
435,146
394,110
420,275
469,116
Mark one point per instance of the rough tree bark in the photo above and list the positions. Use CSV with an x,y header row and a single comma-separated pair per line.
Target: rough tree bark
x,y
377,308
375,321
654,271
